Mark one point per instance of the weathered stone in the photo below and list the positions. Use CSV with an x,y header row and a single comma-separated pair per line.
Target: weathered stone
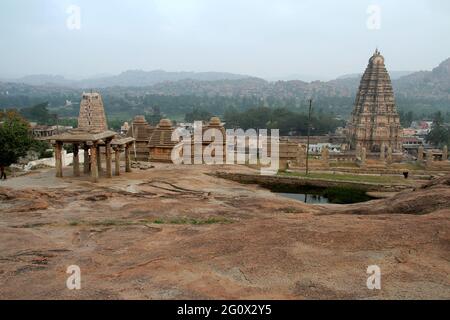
x,y
383,152
142,131
92,116
420,152
326,156
301,156
363,157
375,119
161,144
389,155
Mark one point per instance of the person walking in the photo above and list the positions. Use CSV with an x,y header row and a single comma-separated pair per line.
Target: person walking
x,y
2,172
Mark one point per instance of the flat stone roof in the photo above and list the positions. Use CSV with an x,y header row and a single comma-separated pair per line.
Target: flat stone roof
x,y
122,141
80,136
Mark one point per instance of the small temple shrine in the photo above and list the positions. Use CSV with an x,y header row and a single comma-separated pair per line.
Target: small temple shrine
x,y
160,143
140,130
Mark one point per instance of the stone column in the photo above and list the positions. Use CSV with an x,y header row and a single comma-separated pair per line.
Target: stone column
x,y
117,161
76,161
58,159
363,157
420,153
429,158
389,155
108,159
94,167
86,161
127,158
358,150
445,153
326,157
99,160
300,156
383,152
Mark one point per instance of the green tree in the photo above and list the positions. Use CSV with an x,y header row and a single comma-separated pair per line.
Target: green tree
x,y
439,134
198,114
39,113
15,138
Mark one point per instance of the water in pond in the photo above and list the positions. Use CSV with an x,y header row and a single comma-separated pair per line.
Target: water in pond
x,y
305,197
317,195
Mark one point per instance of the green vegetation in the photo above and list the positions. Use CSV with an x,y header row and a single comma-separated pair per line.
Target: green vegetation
x,y
123,222
42,148
198,114
15,139
193,221
439,134
384,179
289,122
40,114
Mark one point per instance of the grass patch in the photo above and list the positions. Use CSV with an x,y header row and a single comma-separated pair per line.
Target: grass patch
x,y
289,210
343,165
384,179
181,220
107,223
192,221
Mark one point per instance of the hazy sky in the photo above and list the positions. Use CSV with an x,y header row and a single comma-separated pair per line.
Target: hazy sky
x,y
264,38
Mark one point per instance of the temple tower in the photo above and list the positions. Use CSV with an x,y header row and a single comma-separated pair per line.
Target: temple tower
x,y
375,120
92,116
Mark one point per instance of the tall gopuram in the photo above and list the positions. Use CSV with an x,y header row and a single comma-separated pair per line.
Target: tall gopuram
x,y
375,121
92,114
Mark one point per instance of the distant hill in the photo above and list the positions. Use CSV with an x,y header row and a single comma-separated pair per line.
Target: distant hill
x,y
395,75
433,84
130,78
421,92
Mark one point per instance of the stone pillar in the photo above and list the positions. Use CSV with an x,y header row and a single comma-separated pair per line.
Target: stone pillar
x,y
326,157
389,155
86,161
76,160
383,152
300,156
94,167
99,160
117,161
358,150
58,159
445,153
108,159
420,153
127,158
363,157
429,158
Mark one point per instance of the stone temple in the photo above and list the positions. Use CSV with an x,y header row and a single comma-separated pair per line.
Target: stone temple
x,y
375,123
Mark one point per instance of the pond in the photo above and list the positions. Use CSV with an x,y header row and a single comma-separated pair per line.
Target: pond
x,y
305,197
317,195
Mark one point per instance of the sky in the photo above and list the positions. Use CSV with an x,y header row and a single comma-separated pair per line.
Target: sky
x,y
269,39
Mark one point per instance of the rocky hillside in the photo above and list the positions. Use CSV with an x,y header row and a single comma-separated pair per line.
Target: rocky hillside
x,y
433,84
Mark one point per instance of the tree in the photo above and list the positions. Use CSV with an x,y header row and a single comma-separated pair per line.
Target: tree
x,y
15,138
198,114
39,113
439,134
